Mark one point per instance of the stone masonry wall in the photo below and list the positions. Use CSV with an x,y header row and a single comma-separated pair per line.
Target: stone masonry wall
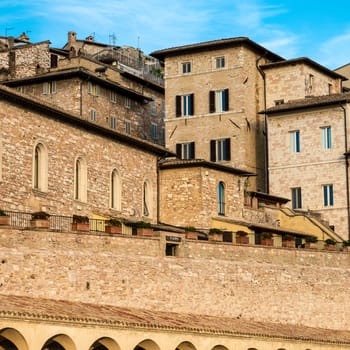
x,y
22,129
189,196
292,286
318,166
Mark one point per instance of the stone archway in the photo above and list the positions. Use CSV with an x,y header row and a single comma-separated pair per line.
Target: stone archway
x,y
186,345
147,344
219,347
59,342
11,339
105,344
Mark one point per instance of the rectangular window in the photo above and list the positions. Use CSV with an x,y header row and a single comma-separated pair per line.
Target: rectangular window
x,y
186,67
93,115
163,136
113,122
153,107
220,150
113,97
309,83
220,62
185,150
218,101
154,131
184,105
163,110
21,89
49,87
296,198
127,126
330,89
93,89
127,102
328,195
326,137
295,141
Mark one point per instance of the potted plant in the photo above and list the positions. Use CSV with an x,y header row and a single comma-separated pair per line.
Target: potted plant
x,y
4,218
191,232
242,237
311,242
330,244
288,241
80,223
40,219
113,226
346,245
215,234
144,229
266,239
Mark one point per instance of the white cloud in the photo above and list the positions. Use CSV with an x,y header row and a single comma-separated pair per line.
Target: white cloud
x,y
335,52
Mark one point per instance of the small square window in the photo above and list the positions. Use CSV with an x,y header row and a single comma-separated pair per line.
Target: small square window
x,y
186,67
220,62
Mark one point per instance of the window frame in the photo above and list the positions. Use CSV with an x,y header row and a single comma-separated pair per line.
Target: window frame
x,y
296,196
220,150
185,105
112,122
93,115
94,89
49,87
295,141
40,167
80,179
115,190
220,62
186,67
326,135
221,198
219,101
328,195
185,150
154,131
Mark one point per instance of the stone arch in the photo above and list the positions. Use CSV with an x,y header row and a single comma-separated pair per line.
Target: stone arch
x,y
219,347
40,167
59,342
11,339
186,345
80,179
147,344
105,343
147,198
115,190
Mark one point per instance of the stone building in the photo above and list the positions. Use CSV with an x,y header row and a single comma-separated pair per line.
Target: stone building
x,y
62,288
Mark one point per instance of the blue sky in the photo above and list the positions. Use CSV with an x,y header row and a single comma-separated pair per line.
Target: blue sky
x,y
290,28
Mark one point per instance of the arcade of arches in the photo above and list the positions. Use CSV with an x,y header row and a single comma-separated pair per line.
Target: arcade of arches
x,y
61,325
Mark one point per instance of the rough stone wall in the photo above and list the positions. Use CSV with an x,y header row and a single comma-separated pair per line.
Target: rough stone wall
x,y
317,166
21,129
291,286
241,123
72,95
189,196
289,83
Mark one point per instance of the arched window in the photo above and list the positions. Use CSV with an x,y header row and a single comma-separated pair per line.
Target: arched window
x,y
80,180
221,198
147,210
40,167
115,198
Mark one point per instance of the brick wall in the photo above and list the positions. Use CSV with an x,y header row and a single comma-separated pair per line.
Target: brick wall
x,y
259,283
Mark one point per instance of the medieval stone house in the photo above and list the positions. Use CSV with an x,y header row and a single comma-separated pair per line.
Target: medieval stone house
x,y
62,152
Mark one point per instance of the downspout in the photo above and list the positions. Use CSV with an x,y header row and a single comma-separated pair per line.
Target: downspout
x,y
158,190
346,168
81,98
266,150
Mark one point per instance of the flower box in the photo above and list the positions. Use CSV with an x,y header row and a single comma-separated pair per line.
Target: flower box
x,y
242,239
145,231
191,235
40,223
113,229
5,220
267,242
79,226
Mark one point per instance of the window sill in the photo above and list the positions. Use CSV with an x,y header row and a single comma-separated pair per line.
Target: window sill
x,y
39,193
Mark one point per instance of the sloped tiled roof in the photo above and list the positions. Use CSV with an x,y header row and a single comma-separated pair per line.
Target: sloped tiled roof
x,y
309,102
27,308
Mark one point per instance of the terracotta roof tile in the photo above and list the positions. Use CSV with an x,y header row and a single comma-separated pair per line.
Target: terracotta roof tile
x,y
78,312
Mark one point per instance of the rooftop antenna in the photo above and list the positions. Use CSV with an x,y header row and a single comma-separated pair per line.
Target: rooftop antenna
x,y
113,39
